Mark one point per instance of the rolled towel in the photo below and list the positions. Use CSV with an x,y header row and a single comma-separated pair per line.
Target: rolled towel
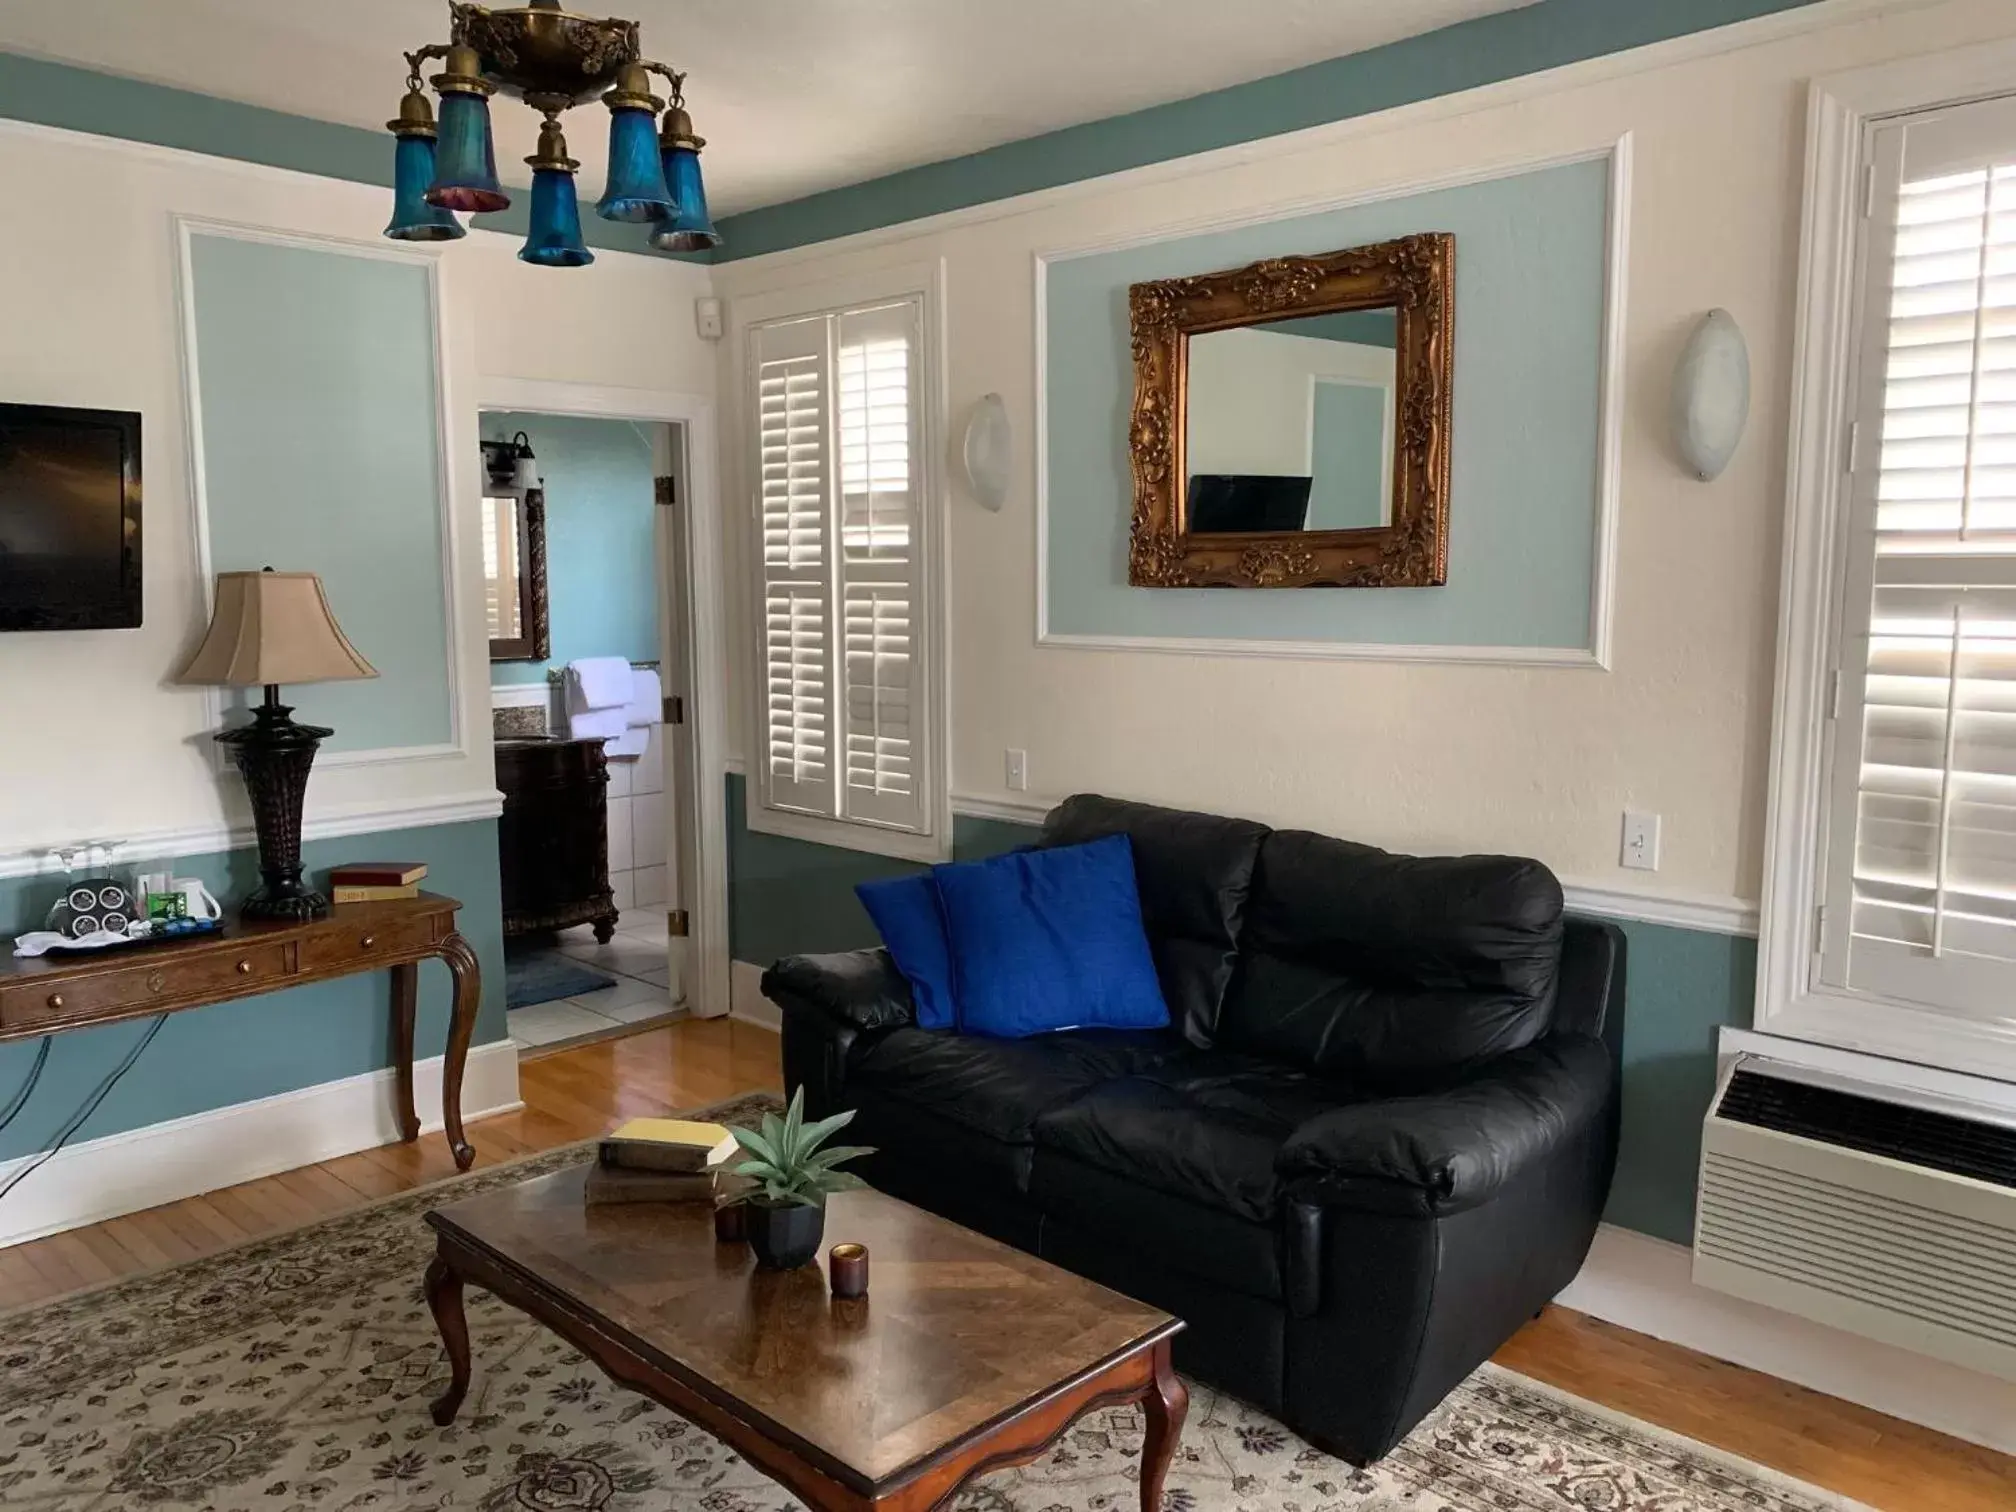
x,y
598,682
597,724
647,699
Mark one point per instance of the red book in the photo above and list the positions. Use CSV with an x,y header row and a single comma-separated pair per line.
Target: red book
x,y
377,873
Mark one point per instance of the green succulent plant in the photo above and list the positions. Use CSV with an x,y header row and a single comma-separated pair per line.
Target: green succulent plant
x,y
787,1160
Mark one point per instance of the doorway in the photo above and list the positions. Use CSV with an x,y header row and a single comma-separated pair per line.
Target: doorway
x,y
594,501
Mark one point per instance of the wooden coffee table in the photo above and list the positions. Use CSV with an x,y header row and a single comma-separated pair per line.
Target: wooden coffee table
x,y
964,1357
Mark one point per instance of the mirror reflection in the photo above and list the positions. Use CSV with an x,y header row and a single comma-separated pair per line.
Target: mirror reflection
x,y
503,590
1290,424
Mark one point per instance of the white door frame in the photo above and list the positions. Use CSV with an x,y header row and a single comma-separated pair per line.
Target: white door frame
x,y
706,636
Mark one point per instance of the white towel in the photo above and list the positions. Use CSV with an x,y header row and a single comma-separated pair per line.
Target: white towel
x,y
598,682
597,724
631,744
647,699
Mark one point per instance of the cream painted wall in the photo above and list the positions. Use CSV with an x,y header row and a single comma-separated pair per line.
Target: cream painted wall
x,y
96,742
1420,756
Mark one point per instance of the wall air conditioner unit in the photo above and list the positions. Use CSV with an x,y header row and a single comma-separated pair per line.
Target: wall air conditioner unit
x,y
1888,1213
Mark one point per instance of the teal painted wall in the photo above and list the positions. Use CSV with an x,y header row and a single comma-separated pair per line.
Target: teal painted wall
x,y
321,452
208,1058
1347,486
601,559
790,896
1524,463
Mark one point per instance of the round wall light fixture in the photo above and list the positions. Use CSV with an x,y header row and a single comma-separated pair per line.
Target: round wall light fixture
x,y
985,452
1711,395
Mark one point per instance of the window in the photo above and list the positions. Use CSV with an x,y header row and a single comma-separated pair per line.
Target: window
x,y
1894,810
844,748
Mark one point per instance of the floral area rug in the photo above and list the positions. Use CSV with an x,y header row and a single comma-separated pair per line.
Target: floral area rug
x,y
294,1374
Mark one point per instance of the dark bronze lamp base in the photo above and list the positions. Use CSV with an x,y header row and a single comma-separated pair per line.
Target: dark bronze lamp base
x,y
275,754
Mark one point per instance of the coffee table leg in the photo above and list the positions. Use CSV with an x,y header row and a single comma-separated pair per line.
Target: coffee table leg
x,y
1167,1402
444,1298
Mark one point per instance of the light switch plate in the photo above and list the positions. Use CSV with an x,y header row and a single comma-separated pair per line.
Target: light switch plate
x,y
1640,849
1018,770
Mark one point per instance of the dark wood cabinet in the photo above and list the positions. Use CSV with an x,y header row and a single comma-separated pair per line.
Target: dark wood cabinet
x,y
553,837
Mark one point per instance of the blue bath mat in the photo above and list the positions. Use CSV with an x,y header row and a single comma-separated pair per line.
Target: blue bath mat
x,y
541,976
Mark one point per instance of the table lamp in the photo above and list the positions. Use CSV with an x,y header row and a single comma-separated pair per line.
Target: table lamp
x,y
270,628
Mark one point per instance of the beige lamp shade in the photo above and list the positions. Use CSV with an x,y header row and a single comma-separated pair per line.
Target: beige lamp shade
x,y
273,627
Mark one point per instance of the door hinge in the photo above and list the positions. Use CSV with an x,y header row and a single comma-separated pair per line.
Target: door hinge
x,y
665,490
675,709
1868,189
1854,446
1819,927
1834,694
675,922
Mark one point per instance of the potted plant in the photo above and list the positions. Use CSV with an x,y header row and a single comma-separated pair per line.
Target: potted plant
x,y
793,1175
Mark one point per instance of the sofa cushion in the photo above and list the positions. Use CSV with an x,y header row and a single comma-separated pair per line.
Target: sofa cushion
x,y
1050,939
1393,971
907,916
1194,872
995,1089
1203,1126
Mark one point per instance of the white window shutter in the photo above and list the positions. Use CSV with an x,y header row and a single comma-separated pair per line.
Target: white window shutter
x,y
880,581
1923,853
793,362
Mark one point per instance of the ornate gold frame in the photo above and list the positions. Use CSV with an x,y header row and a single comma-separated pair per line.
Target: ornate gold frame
x,y
1415,275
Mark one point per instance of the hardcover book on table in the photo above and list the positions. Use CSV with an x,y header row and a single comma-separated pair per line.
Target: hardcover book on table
x,y
377,874
666,1144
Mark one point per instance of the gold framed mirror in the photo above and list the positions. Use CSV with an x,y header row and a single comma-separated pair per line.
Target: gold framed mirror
x,y
1291,421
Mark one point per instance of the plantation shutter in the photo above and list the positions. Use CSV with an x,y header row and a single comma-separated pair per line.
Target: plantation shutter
x,y
1921,895
795,445
838,399
879,585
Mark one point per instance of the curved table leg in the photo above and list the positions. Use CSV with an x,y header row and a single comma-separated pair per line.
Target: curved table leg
x,y
444,1300
1165,1406
405,1001
468,979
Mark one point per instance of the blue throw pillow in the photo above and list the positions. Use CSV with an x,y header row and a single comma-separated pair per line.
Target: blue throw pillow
x,y
1050,939
905,911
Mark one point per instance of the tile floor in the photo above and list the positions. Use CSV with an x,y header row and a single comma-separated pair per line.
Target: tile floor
x,y
639,997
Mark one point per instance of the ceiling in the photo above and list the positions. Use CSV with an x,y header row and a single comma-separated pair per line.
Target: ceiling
x,y
794,96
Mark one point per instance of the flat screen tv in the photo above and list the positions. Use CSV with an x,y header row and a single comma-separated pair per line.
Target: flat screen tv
x,y
69,518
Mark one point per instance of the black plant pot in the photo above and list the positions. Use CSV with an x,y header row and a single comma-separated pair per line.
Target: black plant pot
x,y
787,1235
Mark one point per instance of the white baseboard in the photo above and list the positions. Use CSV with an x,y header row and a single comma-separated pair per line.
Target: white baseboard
x,y
745,996
1645,1284
182,1157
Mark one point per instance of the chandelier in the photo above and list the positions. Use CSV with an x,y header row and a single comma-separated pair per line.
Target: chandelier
x,y
553,60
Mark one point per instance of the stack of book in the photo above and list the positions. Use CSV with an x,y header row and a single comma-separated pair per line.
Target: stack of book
x,y
370,881
660,1160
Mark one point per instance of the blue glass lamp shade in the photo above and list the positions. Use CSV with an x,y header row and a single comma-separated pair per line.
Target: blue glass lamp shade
x,y
636,190
465,163
413,219
689,228
554,240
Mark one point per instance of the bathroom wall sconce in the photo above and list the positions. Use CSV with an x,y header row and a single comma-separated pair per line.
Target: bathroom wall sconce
x,y
1711,395
510,469
985,452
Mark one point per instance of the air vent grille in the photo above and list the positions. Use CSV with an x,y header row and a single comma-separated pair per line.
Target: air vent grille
x,y
1936,1141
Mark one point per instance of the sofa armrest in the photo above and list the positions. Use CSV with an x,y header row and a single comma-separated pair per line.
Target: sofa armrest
x,y
1444,1152
859,988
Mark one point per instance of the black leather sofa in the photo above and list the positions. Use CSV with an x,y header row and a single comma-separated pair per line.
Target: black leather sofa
x,y
1375,1140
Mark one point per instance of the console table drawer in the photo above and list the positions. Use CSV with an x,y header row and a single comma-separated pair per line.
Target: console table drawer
x,y
219,973
354,944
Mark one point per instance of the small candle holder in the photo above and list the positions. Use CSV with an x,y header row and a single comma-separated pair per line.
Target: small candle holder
x,y
847,1268
731,1223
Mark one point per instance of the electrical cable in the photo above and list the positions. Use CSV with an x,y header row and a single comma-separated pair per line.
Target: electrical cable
x,y
20,1099
90,1106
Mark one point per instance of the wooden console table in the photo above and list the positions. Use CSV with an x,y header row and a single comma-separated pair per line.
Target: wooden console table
x,y
46,994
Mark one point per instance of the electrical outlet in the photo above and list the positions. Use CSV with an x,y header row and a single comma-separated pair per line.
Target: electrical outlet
x,y
1018,770
1641,841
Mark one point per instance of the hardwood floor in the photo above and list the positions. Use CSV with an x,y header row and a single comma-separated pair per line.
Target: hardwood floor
x,y
578,1093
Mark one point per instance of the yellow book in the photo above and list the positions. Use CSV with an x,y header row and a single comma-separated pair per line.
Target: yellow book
x,y
667,1144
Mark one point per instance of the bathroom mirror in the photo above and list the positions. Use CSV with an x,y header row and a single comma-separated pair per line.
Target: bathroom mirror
x,y
514,575
1291,421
